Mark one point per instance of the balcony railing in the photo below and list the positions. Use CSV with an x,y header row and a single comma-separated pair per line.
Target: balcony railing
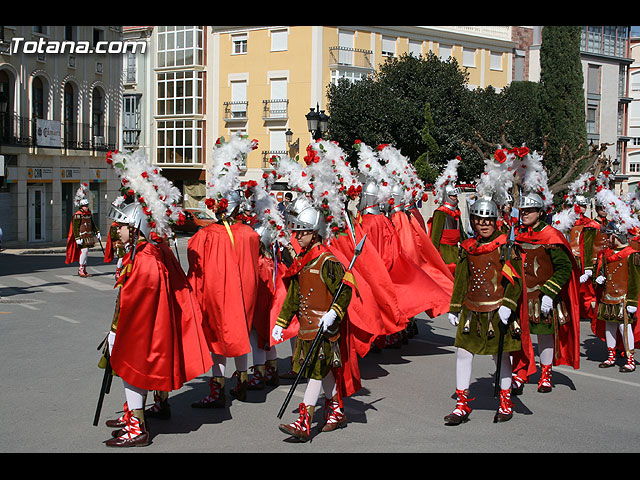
x,y
275,109
20,131
350,57
270,158
235,110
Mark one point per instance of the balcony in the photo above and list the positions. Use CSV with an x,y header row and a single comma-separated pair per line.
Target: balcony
x,y
236,111
270,158
350,57
21,131
275,109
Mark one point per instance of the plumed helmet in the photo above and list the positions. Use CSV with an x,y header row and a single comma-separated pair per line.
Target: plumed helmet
x,y
485,208
397,194
451,191
131,214
234,199
83,202
369,198
531,200
309,218
581,200
615,228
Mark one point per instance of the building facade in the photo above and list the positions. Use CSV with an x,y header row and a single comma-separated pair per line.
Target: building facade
x,y
59,115
633,151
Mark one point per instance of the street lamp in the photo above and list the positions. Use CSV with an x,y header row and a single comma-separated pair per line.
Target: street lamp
x,y
317,122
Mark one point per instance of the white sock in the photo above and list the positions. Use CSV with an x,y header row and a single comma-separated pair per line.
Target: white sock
x,y
545,349
464,363
135,396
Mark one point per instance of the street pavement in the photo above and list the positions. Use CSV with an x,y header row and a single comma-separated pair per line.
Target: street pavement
x,y
51,322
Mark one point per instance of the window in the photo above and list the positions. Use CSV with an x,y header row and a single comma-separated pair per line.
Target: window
x,y
415,48
69,115
445,52
469,57
180,46
388,47
130,67
180,93
179,141
97,116
593,79
592,118
37,91
279,40
98,36
131,120
239,44
278,103
496,61
239,99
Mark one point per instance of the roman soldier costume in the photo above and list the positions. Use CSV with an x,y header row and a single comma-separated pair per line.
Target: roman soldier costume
x,y
82,232
156,341
618,283
223,272
445,228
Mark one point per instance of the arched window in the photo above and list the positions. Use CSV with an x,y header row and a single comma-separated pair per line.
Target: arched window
x,y
6,108
69,116
97,114
37,99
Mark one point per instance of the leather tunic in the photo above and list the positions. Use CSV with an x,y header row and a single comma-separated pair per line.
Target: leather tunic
x,y
484,287
315,298
615,288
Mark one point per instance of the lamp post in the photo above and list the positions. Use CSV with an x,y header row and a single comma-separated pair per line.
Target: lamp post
x,y
317,122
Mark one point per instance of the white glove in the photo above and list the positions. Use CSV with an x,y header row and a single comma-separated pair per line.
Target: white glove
x,y
586,276
327,320
504,313
600,279
276,333
454,319
546,305
631,309
79,241
98,235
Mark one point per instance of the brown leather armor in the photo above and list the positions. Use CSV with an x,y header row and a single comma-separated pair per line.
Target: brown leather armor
x,y
315,298
615,288
574,240
484,287
537,269
85,229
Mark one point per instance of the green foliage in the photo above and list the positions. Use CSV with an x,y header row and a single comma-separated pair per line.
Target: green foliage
x,y
562,104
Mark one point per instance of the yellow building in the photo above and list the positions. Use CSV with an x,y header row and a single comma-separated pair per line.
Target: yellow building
x,y
263,80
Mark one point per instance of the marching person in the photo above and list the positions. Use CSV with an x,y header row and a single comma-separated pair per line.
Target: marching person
x,y
83,232
552,302
315,277
156,342
483,298
445,227
114,248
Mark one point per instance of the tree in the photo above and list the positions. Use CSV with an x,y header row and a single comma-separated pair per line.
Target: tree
x,y
562,104
423,164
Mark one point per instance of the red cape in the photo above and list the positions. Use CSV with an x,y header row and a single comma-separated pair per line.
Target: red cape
x,y
568,341
225,281
73,250
109,246
418,246
415,214
411,283
587,291
159,343
269,303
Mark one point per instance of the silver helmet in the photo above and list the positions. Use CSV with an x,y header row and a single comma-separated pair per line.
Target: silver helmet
x,y
131,214
485,208
581,200
234,199
83,202
451,191
530,200
397,194
308,218
369,198
615,228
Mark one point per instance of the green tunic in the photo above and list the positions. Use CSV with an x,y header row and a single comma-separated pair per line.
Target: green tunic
x,y
449,253
562,268
328,355
478,332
